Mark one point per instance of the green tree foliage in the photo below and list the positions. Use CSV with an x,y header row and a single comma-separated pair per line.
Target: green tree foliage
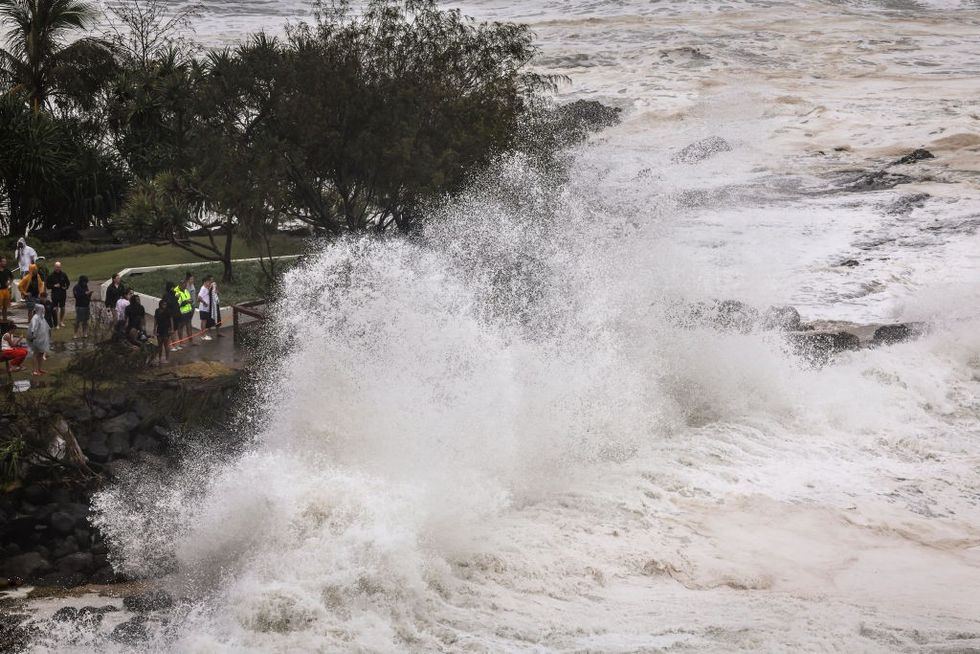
x,y
44,57
51,175
396,103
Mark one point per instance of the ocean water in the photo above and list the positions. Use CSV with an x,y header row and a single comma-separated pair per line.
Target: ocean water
x,y
497,439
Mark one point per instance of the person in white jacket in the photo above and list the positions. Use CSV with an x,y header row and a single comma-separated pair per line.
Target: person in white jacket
x,y
208,307
24,255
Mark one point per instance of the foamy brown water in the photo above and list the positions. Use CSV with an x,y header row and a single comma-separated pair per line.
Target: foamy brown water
x,y
498,441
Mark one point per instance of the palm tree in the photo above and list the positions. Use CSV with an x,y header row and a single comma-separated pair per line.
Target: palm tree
x,y
40,52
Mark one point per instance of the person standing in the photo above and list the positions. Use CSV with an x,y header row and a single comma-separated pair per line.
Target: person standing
x,y
39,337
45,302
12,348
58,284
113,292
25,256
205,303
6,281
185,309
162,325
31,285
83,304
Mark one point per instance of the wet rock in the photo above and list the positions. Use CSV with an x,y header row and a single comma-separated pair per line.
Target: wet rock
x,y
62,522
915,156
878,180
26,566
818,346
152,600
64,548
65,614
123,423
736,316
97,448
91,616
892,334
701,150
849,263
131,632
118,444
905,204
781,318
35,494
77,562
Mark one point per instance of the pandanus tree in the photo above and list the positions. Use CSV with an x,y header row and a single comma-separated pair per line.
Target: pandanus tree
x,y
43,54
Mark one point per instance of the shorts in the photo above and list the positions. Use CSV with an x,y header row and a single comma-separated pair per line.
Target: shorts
x,y
207,322
82,315
5,298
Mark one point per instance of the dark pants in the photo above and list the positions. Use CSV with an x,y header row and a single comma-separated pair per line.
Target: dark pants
x,y
59,297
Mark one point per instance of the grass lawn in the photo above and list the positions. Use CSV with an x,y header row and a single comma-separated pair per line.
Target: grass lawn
x,y
249,282
103,265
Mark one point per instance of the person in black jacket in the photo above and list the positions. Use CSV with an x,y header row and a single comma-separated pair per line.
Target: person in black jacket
x,y
113,292
83,302
58,284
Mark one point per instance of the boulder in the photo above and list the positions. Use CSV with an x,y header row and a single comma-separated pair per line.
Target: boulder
x,y
151,600
64,548
62,522
97,449
77,562
26,566
701,150
736,316
132,632
123,423
781,318
817,346
904,205
65,614
849,263
118,443
914,156
878,180
899,333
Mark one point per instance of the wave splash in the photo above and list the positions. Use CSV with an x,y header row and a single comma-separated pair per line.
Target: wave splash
x,y
457,426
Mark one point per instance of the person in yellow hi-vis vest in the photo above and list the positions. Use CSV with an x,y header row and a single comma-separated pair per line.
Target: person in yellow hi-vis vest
x,y
185,310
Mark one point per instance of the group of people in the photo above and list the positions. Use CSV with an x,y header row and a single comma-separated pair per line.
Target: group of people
x,y
172,319
45,297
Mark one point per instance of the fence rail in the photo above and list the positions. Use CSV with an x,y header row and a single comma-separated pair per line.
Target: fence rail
x,y
246,309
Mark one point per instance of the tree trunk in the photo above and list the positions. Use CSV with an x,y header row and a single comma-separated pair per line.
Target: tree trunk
x,y
227,276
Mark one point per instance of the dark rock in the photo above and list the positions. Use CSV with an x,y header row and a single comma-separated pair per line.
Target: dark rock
x,y
891,334
781,318
701,150
736,316
849,263
65,614
123,423
575,120
83,537
144,442
904,205
818,346
91,616
118,443
99,412
878,180
161,432
103,575
26,566
915,156
62,522
152,600
97,449
64,548
35,494
131,632
78,562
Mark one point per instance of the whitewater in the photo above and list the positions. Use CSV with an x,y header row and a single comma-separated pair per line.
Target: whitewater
x,y
498,437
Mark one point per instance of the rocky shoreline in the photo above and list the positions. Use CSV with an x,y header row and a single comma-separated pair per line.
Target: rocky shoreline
x,y
46,537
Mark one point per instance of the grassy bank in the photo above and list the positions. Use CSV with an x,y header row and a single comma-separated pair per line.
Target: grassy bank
x,y
102,265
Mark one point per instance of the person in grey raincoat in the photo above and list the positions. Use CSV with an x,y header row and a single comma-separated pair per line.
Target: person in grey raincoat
x,y
39,338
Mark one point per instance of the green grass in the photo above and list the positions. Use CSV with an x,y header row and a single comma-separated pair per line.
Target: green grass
x,y
249,282
103,265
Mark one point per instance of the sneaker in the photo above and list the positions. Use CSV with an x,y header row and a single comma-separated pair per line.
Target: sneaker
x,y
206,338
176,348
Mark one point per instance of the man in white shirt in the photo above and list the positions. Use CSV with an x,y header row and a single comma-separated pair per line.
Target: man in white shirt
x,y
206,306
